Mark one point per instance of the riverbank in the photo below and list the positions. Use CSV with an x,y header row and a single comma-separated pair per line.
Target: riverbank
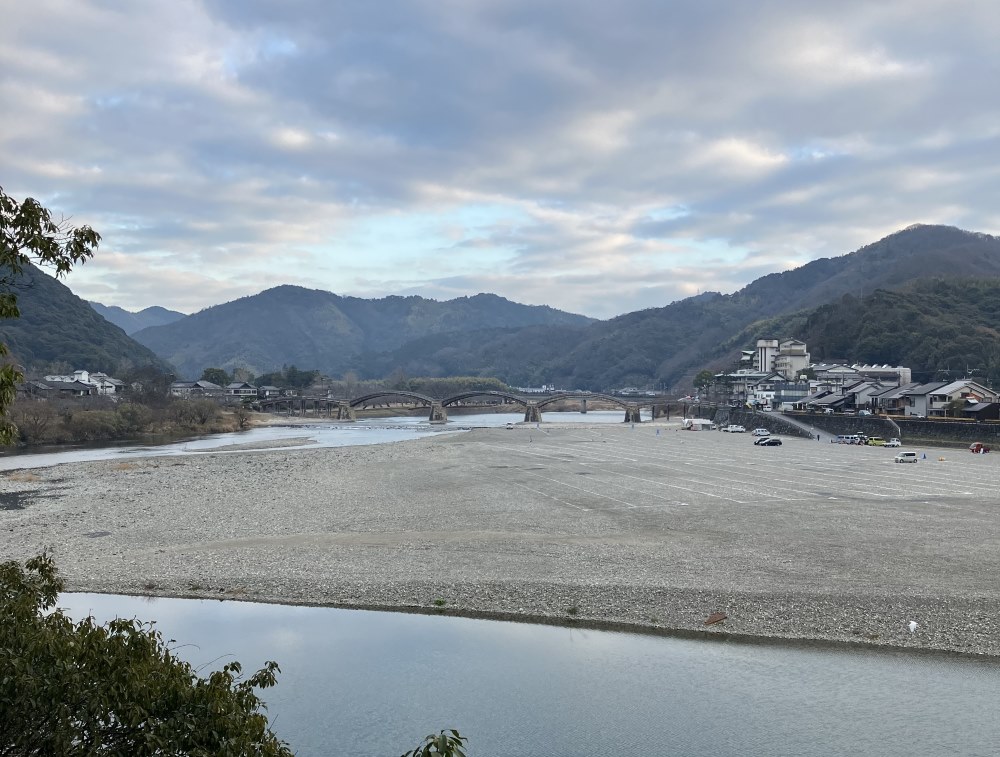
x,y
647,528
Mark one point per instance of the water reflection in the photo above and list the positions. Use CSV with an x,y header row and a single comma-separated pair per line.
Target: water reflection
x,y
375,683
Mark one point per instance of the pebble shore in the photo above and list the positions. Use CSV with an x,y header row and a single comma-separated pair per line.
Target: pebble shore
x,y
589,526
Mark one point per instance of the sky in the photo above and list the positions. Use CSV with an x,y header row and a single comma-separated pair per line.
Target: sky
x,y
597,157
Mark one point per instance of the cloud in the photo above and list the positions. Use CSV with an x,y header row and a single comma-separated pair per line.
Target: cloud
x,y
592,156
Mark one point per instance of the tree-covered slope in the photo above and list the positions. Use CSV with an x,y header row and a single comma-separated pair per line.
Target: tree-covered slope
x,y
665,346
57,327
290,325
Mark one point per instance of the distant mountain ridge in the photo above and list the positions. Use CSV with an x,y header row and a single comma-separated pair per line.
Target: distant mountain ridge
x,y
665,346
57,327
130,322
820,302
309,328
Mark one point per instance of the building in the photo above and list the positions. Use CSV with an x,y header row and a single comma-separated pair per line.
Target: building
x,y
939,401
101,382
789,358
792,359
917,399
241,389
194,388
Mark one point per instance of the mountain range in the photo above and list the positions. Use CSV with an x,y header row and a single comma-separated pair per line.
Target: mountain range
x,y
308,328
932,279
130,322
59,332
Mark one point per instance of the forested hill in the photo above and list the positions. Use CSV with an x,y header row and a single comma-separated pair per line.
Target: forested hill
x,y
665,346
939,327
58,328
290,325
130,322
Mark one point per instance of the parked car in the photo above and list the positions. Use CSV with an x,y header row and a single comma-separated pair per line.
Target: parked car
x,y
875,441
766,409
768,441
510,425
894,442
760,432
978,448
864,412
734,429
905,457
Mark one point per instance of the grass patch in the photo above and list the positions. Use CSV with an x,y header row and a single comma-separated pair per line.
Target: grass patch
x,y
573,610
439,603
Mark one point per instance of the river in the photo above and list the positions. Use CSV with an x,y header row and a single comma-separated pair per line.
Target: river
x,y
374,683
312,435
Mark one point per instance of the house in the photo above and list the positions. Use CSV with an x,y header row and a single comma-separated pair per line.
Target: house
x,y
917,402
105,384
34,389
891,401
983,411
70,388
268,391
194,388
102,382
241,389
860,393
939,401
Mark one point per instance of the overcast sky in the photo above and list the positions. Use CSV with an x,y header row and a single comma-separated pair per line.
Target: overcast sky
x,y
599,157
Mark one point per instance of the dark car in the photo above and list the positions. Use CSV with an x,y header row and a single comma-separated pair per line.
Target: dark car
x,y
768,441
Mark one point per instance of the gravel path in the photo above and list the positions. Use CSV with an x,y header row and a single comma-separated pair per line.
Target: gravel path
x,y
607,526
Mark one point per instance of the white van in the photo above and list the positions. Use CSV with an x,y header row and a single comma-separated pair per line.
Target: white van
x,y
906,457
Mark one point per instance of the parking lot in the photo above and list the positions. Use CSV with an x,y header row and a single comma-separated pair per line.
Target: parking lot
x,y
638,468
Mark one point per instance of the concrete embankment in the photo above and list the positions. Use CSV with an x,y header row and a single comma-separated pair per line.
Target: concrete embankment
x,y
647,527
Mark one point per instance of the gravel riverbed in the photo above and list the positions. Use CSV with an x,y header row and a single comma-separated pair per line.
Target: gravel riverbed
x,y
645,528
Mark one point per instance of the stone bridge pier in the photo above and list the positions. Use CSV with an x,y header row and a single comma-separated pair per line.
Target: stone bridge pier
x,y
438,413
531,413
345,412
632,414
661,411
583,406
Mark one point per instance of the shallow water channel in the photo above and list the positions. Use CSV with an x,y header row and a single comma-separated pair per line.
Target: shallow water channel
x,y
312,435
375,683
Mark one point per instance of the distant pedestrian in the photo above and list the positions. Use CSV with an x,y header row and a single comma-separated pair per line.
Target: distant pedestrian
x,y
817,437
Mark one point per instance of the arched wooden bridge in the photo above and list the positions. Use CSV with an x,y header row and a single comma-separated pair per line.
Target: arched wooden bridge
x,y
344,409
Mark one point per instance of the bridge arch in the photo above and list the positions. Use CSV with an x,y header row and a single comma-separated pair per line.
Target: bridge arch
x,y
485,393
580,396
359,401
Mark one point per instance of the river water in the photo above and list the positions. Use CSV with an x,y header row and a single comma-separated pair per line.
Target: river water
x,y
374,683
319,434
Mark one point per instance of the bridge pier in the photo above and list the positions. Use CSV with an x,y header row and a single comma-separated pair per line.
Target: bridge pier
x,y
345,412
583,406
632,414
661,411
531,413
438,413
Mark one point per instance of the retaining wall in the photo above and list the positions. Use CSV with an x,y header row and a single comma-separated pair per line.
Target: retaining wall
x,y
954,432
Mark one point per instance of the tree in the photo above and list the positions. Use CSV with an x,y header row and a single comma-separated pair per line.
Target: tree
x,y
29,236
703,379
216,376
87,689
